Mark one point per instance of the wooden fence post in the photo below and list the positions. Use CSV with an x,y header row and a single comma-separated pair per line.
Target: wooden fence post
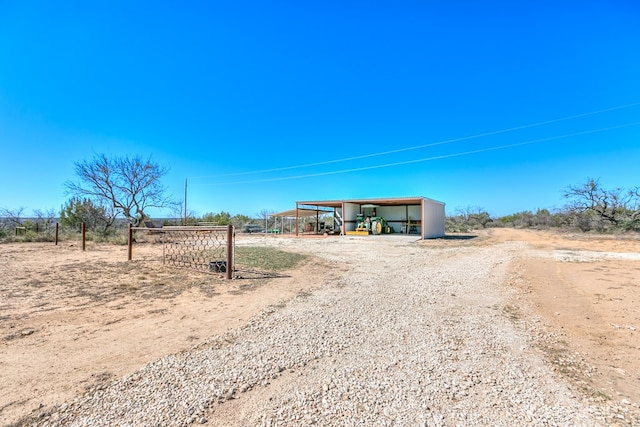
x,y
130,244
229,251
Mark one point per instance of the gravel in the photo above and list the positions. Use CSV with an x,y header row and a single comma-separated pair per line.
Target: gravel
x,y
404,335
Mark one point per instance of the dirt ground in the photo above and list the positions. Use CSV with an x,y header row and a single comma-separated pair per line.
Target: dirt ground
x,y
71,320
592,303
584,290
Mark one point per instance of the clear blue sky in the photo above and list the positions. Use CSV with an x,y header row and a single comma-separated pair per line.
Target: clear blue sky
x,y
222,91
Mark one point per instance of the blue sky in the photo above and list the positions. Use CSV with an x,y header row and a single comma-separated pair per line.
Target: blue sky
x,y
224,92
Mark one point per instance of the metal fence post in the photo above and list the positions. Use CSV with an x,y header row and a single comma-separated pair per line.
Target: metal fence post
x,y
57,227
84,239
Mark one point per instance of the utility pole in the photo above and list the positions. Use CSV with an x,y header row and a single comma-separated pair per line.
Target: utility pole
x,y
184,220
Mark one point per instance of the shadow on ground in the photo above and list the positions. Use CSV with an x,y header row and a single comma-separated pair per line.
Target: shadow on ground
x,y
242,273
458,237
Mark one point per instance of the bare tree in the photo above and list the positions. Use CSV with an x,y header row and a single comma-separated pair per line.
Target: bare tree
x,y
239,220
130,185
609,205
264,215
634,205
473,217
178,216
13,216
45,219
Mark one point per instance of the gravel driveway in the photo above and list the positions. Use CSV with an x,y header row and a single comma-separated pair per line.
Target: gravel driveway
x,y
404,334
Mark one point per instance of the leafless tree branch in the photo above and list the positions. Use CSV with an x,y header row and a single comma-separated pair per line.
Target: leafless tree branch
x,y
131,185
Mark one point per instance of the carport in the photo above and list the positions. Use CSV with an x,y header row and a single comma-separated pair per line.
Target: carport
x,y
305,213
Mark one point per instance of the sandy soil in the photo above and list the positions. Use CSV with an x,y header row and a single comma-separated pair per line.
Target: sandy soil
x,y
588,293
585,290
71,320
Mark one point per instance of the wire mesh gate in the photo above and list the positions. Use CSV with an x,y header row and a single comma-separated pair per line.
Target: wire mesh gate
x,y
208,249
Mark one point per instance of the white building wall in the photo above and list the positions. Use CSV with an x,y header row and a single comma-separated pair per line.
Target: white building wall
x,y
391,213
351,210
398,216
414,212
433,219
395,216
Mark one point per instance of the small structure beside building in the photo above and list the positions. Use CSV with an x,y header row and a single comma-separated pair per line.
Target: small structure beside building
x,y
408,215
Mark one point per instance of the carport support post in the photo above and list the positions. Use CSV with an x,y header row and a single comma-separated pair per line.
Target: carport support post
x,y
296,220
229,251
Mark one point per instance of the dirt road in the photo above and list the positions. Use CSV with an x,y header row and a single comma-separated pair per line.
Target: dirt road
x,y
73,320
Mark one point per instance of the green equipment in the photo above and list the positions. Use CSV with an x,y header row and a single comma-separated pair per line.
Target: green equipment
x,y
372,225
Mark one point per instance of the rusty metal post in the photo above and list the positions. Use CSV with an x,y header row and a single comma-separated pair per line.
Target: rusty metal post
x,y
229,251
84,237
57,227
130,243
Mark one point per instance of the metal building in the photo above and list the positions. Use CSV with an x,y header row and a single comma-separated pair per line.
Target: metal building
x,y
409,215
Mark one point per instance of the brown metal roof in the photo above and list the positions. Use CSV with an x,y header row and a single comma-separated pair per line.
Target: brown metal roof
x,y
380,202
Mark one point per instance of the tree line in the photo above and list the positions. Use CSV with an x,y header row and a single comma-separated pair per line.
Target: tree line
x,y
589,207
109,191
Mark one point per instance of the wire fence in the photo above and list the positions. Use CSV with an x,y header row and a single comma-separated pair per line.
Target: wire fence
x,y
202,248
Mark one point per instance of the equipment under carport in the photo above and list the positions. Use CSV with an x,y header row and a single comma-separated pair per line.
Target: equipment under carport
x,y
366,225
